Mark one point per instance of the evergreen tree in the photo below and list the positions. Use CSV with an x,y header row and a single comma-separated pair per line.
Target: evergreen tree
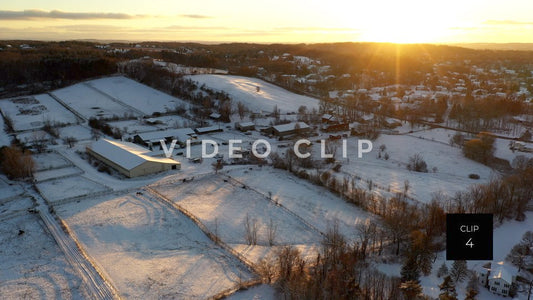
x,y
443,270
411,289
447,288
459,270
410,270
471,294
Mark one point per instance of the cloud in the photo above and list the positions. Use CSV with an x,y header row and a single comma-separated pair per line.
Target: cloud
x,y
89,28
325,29
506,22
181,27
194,16
57,14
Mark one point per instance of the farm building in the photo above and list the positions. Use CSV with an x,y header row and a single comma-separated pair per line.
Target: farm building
x,y
288,129
210,129
153,138
130,159
245,126
215,116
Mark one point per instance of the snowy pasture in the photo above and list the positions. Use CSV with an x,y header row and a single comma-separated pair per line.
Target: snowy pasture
x,y
137,95
244,90
9,190
31,112
90,103
69,187
223,205
501,146
307,200
151,251
32,265
47,161
448,169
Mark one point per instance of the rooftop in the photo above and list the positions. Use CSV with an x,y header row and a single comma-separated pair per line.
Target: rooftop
x,y
126,155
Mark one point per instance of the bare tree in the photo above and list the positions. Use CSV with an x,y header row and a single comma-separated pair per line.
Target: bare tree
x,y
70,141
241,109
95,134
272,230
250,230
218,165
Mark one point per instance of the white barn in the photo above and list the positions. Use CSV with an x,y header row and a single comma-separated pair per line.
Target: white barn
x,y
130,159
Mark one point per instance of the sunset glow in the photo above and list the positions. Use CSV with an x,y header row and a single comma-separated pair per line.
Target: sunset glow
x,y
409,21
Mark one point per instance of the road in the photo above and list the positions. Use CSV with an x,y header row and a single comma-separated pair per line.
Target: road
x,y
95,283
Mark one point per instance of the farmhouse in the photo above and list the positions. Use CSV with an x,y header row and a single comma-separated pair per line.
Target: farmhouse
x,y
498,280
130,159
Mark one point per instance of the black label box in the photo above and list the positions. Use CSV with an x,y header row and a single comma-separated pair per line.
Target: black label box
x,y
469,237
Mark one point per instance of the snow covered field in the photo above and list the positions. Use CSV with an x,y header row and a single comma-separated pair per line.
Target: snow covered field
x,y
90,103
137,95
8,191
223,205
30,112
56,173
47,161
244,90
32,266
452,168
139,126
308,201
501,146
69,187
76,131
151,251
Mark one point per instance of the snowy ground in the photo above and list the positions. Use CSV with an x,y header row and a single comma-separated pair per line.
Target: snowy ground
x,y
56,173
90,103
133,126
32,266
30,112
244,90
8,190
452,168
308,201
47,161
77,131
150,250
223,206
260,292
139,126
444,135
137,95
5,140
69,187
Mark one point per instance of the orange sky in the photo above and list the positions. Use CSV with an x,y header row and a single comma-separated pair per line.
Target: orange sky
x,y
292,21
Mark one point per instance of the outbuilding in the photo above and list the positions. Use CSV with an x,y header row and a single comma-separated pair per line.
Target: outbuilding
x,y
130,159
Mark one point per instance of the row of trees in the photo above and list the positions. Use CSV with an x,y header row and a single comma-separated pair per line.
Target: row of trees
x,y
339,271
